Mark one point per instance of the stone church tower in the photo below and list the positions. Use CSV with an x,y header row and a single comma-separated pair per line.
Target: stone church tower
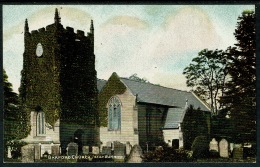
x,y
59,85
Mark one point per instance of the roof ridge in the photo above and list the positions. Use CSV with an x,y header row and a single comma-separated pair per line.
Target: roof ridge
x,y
155,85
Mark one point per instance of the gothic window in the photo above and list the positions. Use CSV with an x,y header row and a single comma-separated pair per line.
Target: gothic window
x,y
40,123
114,114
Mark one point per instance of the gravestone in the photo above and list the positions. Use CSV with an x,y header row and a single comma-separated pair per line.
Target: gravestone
x,y
72,149
55,150
119,150
28,153
223,148
213,145
95,150
128,148
85,150
37,152
9,155
238,153
106,150
135,155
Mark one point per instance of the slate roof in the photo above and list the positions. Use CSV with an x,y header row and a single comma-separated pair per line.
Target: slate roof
x,y
100,84
174,117
150,93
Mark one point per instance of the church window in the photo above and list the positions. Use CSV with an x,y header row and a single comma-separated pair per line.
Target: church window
x,y
40,123
114,114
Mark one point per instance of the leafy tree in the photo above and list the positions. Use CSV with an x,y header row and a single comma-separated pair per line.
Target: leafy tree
x,y
15,120
207,75
194,124
134,77
240,96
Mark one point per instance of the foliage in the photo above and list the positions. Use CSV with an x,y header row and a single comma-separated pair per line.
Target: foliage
x,y
134,77
240,96
194,124
200,147
15,118
168,154
113,87
207,74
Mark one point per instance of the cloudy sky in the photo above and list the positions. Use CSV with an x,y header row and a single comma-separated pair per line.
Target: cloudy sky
x,y
155,41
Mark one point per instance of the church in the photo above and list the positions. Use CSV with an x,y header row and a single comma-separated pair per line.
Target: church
x,y
67,103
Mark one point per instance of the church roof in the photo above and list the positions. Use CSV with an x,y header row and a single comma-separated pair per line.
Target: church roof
x,y
100,84
155,94
174,118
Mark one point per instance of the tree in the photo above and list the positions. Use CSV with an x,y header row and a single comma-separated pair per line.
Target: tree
x,y
240,94
15,119
134,77
194,124
207,75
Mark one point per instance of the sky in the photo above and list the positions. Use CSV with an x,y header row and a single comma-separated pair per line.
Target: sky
x,y
154,41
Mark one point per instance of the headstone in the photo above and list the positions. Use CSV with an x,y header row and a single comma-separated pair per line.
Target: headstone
x,y
37,152
27,153
119,150
106,150
55,150
128,148
85,150
135,155
95,150
223,148
9,155
72,149
213,145
238,153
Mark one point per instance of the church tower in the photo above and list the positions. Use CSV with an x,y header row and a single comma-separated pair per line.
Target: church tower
x,y
59,85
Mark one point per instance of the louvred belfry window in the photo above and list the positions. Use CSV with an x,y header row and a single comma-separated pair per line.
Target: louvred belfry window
x,y
114,114
40,123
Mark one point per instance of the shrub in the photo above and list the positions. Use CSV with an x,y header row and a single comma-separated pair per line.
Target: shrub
x,y
200,147
168,154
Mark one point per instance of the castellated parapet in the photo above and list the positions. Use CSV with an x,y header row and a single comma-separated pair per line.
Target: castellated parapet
x,y
59,78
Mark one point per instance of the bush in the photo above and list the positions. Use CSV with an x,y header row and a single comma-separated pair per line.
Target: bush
x,y
200,147
168,154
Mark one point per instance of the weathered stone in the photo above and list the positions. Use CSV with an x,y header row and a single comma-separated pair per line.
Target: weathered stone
x,y
238,153
135,155
37,152
72,149
28,153
85,150
223,148
55,150
128,148
213,145
106,150
119,150
95,150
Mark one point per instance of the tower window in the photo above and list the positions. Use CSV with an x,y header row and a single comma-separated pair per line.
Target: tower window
x,y
114,114
40,123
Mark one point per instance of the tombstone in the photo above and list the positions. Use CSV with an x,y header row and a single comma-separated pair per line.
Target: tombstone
x,y
135,155
85,150
128,148
106,150
37,152
213,145
55,150
27,153
72,149
223,148
9,155
238,153
95,150
119,150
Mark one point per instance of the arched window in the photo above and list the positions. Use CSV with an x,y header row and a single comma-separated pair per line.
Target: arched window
x,y
40,123
114,114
